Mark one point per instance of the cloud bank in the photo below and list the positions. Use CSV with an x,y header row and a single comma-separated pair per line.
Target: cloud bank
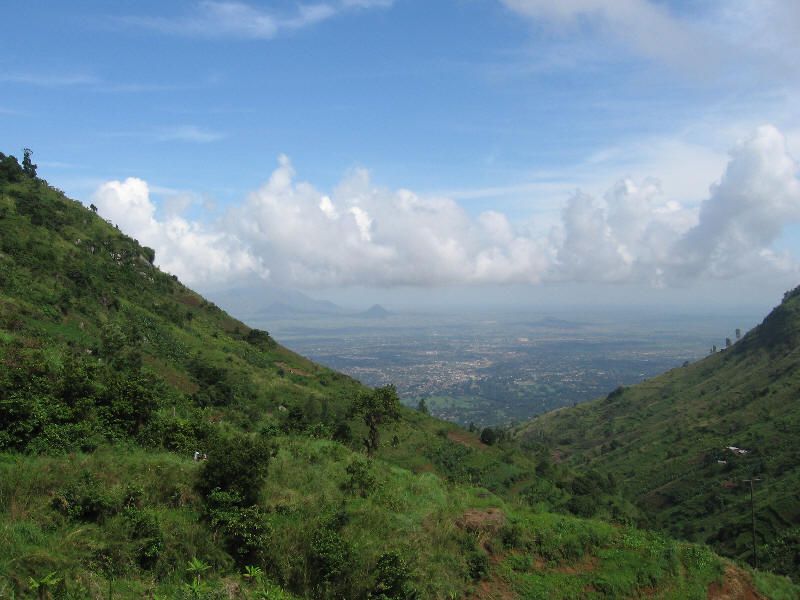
x,y
363,234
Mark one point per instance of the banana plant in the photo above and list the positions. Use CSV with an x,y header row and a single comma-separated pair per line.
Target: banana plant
x,y
196,568
42,586
253,574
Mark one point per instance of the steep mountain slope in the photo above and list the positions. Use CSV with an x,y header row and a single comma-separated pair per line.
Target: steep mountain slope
x,y
113,375
682,445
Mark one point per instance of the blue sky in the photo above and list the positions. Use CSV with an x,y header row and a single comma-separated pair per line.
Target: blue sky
x,y
511,123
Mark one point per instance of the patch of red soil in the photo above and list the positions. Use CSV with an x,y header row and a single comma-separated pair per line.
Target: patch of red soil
x,y
190,299
587,565
465,439
490,520
493,588
736,585
291,370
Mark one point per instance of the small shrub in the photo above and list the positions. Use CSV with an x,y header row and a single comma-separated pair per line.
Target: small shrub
x,y
330,558
478,564
85,499
343,433
360,479
145,530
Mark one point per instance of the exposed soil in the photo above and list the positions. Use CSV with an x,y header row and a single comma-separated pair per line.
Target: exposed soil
x,y
173,377
291,370
490,520
465,439
587,565
494,588
736,585
190,299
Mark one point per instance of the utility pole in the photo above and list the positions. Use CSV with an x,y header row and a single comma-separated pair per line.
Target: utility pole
x,y
753,519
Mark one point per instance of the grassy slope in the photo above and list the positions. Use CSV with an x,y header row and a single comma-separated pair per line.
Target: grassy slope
x,y
441,530
663,439
79,297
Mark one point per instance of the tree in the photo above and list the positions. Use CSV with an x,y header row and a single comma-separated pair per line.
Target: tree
x,y
376,407
27,164
93,208
149,253
9,168
488,436
422,407
728,342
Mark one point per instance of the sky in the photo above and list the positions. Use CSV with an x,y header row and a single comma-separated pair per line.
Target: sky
x,y
581,151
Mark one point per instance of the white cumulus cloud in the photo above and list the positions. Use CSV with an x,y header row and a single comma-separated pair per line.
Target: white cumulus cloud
x,y
637,235
363,234
183,247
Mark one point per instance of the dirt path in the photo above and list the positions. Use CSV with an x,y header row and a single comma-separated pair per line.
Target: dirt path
x,y
736,585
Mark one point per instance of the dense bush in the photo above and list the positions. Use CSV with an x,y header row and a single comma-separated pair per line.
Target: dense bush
x,y
145,530
393,579
237,464
488,436
10,169
45,406
245,529
331,559
85,498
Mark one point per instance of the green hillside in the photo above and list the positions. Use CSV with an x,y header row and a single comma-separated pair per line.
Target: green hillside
x,y
666,442
113,374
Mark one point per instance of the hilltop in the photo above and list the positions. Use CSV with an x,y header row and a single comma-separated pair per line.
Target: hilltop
x,y
376,311
115,378
683,444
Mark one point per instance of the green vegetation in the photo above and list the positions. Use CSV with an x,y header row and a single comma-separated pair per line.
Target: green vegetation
x,y
682,445
115,379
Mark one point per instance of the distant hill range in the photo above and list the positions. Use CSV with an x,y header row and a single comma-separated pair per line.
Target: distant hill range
x,y
264,302
684,445
268,301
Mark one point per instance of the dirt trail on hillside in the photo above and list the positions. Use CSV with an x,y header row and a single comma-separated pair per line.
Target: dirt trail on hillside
x,y
736,585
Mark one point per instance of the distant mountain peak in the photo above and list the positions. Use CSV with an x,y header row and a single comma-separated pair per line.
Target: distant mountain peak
x,y
376,311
